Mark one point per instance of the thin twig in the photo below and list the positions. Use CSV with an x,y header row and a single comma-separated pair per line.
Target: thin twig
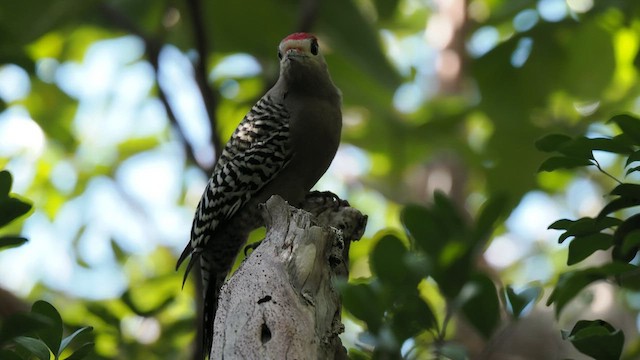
x,y
597,164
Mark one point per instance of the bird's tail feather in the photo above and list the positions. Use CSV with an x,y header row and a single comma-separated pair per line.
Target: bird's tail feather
x,y
212,283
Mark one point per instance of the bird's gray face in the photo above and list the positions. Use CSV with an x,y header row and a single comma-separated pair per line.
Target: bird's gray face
x,y
300,51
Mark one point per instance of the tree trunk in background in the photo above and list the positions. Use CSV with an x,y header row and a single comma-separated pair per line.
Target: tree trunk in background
x,y
281,302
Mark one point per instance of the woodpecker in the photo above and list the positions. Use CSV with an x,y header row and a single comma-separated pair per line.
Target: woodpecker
x,y
282,146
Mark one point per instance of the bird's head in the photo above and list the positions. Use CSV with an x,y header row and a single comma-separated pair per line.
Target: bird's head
x,y
301,59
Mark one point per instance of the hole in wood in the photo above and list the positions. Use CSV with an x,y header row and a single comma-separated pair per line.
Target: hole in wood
x,y
265,299
265,334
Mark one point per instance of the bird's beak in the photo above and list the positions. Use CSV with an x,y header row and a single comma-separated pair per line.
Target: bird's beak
x,y
293,52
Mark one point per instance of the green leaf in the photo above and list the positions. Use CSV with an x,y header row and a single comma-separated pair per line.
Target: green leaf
x,y
561,224
105,314
489,215
624,238
629,125
127,298
76,334
582,246
386,8
631,241
481,307
571,283
9,355
448,214
580,147
11,241
412,317
633,158
552,142
563,162
598,339
12,208
587,226
454,351
422,227
387,262
618,204
362,302
21,324
36,347
627,190
632,170
52,335
5,183
519,301
81,352
614,145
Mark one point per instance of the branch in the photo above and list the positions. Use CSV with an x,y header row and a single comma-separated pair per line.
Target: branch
x,y
307,15
152,52
281,302
208,95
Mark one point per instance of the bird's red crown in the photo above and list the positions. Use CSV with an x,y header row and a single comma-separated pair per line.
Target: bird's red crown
x,y
299,36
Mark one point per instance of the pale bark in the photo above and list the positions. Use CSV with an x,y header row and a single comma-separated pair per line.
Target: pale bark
x,y
281,303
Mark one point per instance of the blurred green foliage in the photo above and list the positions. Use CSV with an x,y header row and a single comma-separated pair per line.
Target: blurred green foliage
x,y
536,76
598,338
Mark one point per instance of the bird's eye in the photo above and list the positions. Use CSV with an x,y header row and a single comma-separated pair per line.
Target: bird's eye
x,y
279,54
314,47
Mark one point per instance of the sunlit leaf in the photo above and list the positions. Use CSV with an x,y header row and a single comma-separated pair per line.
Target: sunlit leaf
x,y
597,338
76,334
82,352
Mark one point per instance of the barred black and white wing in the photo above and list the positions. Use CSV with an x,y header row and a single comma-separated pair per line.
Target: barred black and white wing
x,y
255,154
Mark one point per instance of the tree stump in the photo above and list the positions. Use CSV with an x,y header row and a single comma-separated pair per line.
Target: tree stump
x,y
281,302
